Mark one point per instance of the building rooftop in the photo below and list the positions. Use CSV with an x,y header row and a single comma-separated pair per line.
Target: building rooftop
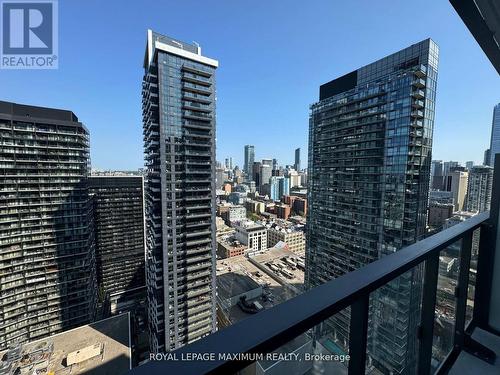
x,y
232,284
248,225
100,348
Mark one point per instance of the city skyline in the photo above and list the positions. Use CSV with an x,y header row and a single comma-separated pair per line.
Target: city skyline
x,y
161,217
283,117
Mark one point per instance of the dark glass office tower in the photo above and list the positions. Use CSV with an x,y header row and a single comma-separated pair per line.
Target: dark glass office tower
x,y
370,140
47,266
249,160
178,102
297,159
495,135
119,232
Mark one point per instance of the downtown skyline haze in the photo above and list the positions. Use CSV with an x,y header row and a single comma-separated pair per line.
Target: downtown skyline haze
x,y
272,59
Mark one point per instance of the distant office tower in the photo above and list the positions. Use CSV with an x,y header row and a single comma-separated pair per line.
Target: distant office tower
x,y
220,177
47,259
296,166
486,158
249,159
370,138
228,162
265,175
495,135
179,140
456,182
275,165
448,166
478,198
437,174
256,173
119,233
469,165
279,186
268,162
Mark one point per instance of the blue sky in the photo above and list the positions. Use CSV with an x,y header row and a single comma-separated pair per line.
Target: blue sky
x,y
273,56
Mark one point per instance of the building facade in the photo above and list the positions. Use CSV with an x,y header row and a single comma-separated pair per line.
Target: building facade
x,y
295,239
438,213
119,232
249,160
279,186
233,213
478,198
252,235
265,175
178,99
47,258
456,182
495,136
296,166
370,139
437,175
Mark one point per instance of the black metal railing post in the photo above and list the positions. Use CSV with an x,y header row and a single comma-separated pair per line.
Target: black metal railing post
x,y
461,290
358,332
487,249
426,328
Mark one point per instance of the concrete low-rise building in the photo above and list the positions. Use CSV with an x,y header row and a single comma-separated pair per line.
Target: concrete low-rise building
x,y
229,247
295,239
251,234
231,213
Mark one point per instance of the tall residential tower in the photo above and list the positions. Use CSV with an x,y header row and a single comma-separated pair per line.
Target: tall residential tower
x,y
47,259
119,232
178,103
370,140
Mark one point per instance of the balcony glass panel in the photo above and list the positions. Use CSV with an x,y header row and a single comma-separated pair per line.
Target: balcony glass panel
x,y
445,312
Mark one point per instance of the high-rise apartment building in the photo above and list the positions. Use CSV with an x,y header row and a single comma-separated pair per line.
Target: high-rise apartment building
x,y
478,198
370,138
47,259
119,233
178,99
495,135
249,160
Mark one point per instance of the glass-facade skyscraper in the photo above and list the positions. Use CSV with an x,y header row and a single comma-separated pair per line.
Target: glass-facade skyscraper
x,y
249,160
297,159
178,102
495,135
370,141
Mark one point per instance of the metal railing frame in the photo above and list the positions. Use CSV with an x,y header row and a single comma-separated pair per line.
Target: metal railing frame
x,y
270,329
